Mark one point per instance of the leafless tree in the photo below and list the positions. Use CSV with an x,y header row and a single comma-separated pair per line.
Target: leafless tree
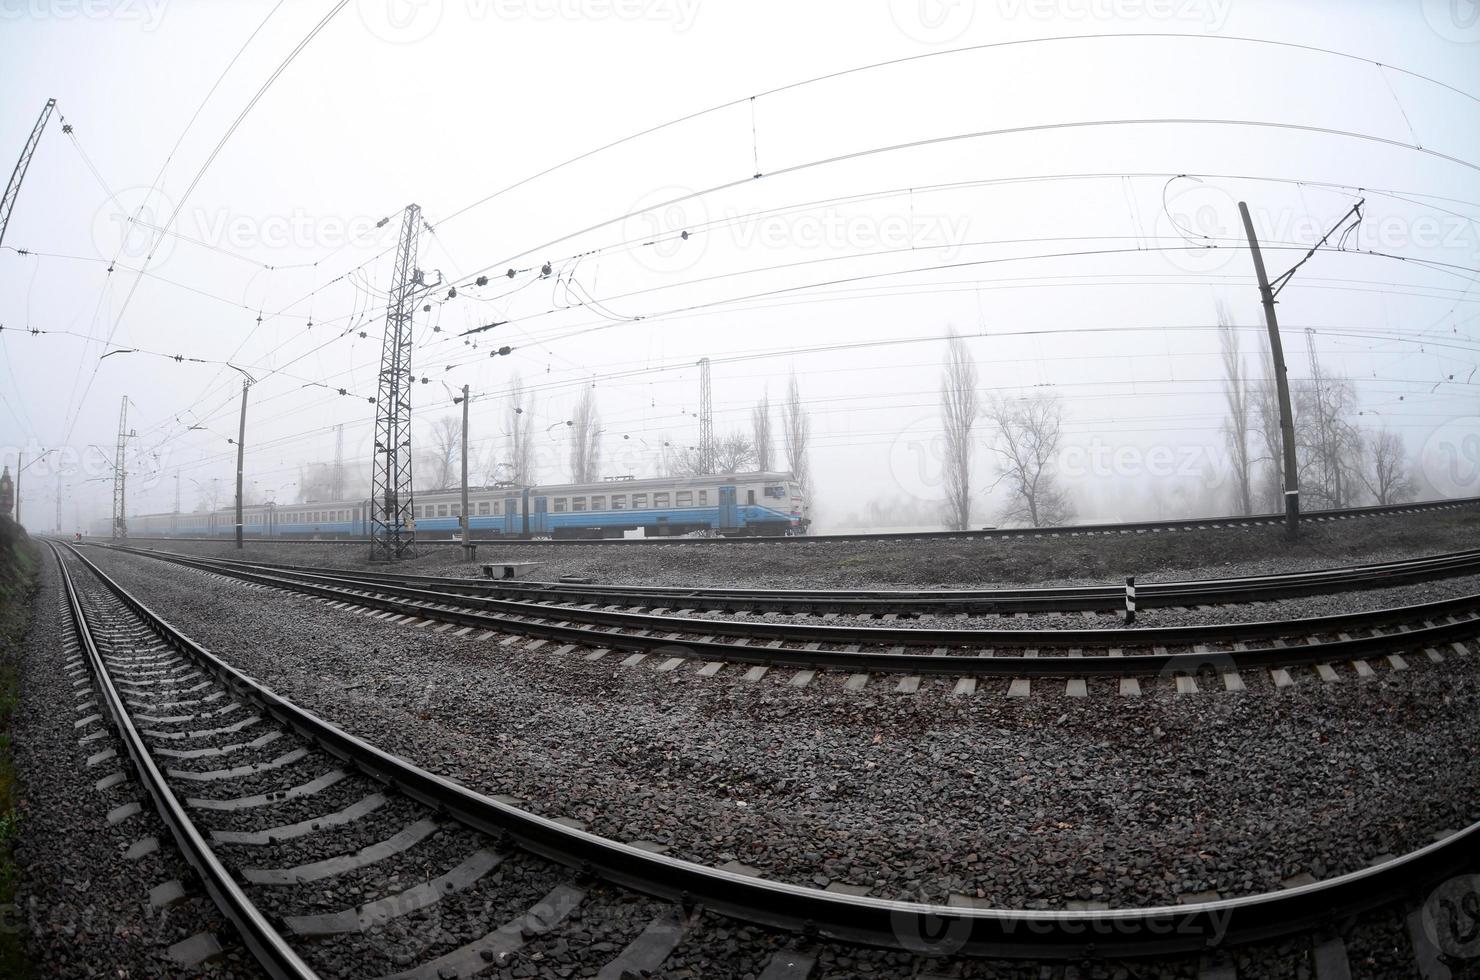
x,y
1026,441
585,441
1266,401
209,498
1384,469
446,455
521,433
1328,445
797,426
760,418
959,410
1237,397
733,453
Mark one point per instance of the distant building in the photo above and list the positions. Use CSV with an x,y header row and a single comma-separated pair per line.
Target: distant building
x,y
7,493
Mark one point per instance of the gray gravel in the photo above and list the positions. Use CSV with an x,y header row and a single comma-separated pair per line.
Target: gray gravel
x,y
1032,803
85,909
940,563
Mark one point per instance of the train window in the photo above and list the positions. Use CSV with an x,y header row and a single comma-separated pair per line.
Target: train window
x,y
750,497
559,505
495,507
703,498
577,503
619,501
660,500
598,503
684,498
441,510
639,501
482,508
457,510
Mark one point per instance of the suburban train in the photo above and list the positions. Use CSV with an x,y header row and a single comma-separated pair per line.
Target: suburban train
x,y
730,504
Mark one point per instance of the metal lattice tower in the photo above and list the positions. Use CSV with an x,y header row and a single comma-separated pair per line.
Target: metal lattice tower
x,y
120,525
336,476
13,189
706,418
392,525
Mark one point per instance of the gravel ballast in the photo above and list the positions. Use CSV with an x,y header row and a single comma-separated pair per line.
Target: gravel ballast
x,y
1033,802
84,907
926,563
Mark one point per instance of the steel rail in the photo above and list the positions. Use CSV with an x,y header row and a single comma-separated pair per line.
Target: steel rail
x,y
668,634
914,926
264,942
1132,527
1247,588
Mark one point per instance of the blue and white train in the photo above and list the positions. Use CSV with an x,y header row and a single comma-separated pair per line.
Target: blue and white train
x,y
731,504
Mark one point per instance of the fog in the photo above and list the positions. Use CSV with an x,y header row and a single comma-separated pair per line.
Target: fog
x,y
1064,200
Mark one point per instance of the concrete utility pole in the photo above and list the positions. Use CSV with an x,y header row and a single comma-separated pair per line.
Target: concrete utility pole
x,y
20,467
241,439
1281,381
1267,292
120,476
466,545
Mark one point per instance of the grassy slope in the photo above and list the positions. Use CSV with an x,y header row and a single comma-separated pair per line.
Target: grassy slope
x,y
19,557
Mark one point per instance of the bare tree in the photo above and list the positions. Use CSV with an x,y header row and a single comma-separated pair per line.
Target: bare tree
x,y
521,433
1384,469
959,410
797,426
733,453
209,498
446,455
1266,400
1236,395
760,418
1328,447
585,441
1027,440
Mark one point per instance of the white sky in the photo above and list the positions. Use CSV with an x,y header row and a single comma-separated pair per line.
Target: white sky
x,y
445,103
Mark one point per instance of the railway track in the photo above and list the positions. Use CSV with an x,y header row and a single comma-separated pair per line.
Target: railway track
x,y
1355,644
1071,530
896,604
291,824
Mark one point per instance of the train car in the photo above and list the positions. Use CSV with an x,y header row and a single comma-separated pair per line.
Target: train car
x,y
730,504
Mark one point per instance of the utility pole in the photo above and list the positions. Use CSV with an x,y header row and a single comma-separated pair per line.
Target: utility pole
x,y
241,439
467,547
336,475
120,524
1267,293
393,523
1281,381
20,464
706,418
